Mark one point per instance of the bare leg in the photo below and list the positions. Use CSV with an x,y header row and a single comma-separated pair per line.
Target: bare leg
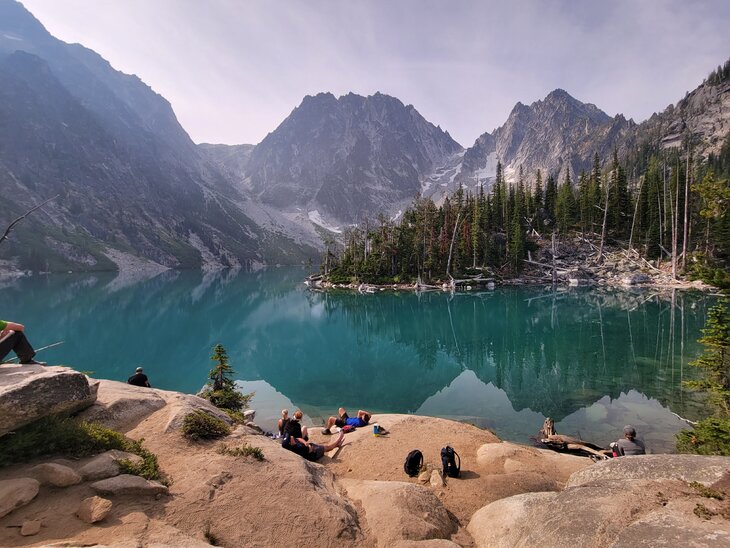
x,y
305,432
330,424
335,443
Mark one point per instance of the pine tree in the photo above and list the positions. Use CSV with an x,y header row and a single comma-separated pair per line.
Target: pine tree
x,y
551,197
715,361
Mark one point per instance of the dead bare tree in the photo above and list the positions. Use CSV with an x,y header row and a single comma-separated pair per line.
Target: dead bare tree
x,y
451,247
23,216
686,207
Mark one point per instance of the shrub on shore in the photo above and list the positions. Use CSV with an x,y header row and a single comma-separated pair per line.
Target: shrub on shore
x,y
199,425
72,438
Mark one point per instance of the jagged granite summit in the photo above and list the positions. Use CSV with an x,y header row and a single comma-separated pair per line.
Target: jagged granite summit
x,y
347,157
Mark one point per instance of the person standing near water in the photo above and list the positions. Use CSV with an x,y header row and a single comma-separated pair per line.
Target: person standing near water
x,y
12,337
139,379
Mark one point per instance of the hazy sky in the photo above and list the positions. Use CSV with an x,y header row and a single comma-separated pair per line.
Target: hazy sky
x,y
234,69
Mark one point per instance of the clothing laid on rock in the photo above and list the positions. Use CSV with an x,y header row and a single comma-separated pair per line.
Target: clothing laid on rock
x,y
628,447
139,379
18,343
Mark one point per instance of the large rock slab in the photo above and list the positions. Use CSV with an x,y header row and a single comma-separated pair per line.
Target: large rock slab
x,y
127,484
689,468
398,511
511,458
58,475
182,404
31,392
119,404
643,501
15,493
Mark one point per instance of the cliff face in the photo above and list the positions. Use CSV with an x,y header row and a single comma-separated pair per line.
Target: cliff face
x,y
128,178
347,158
561,133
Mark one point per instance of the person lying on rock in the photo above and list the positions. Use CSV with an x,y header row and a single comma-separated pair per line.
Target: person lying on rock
x,y
139,379
307,449
362,419
294,427
629,445
12,337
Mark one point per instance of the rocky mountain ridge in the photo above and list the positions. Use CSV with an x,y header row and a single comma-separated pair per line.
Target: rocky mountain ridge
x,y
129,181
134,191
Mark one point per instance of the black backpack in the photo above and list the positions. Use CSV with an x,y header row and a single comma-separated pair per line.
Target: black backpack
x,y
413,463
451,462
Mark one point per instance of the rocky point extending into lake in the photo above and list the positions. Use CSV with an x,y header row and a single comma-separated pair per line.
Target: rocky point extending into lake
x,y
357,495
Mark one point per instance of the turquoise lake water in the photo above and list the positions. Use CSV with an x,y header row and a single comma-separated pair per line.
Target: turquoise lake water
x,y
593,360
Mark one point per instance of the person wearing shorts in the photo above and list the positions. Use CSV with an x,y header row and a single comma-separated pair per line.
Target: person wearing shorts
x,y
362,419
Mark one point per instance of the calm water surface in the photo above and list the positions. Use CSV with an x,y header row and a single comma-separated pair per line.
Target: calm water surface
x,y
593,360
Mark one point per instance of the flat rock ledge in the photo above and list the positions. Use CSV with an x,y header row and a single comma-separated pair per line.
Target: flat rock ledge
x,y
31,392
126,484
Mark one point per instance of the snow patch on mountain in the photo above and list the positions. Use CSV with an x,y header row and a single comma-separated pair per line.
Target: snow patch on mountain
x,y
317,219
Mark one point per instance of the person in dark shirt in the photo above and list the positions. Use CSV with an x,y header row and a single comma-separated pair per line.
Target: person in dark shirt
x,y
139,379
294,427
12,337
307,449
629,445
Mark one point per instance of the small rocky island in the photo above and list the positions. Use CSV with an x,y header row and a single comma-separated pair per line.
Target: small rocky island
x,y
357,495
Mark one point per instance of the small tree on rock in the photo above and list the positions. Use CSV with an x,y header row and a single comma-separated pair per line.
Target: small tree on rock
x,y
221,390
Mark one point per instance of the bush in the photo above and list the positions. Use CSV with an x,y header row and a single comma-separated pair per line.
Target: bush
x,y
228,399
199,425
242,451
72,438
709,437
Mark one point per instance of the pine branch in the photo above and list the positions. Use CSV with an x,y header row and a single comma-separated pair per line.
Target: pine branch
x,y
23,216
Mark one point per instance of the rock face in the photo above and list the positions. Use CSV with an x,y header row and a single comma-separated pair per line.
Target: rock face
x,y
93,509
57,475
182,404
127,484
121,405
398,511
31,392
16,493
348,156
115,141
643,501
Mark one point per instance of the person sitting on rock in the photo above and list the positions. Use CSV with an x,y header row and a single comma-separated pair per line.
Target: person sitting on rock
x,y
295,428
310,450
283,421
362,419
12,337
139,379
629,445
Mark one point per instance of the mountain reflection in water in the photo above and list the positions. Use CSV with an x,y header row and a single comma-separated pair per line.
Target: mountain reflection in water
x,y
591,359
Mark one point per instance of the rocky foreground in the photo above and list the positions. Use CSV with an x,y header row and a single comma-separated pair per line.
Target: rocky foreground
x,y
358,495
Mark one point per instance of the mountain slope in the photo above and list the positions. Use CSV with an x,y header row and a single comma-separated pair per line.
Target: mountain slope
x,y
129,179
347,157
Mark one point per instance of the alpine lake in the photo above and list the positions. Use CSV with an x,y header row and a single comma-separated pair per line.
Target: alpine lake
x,y
592,359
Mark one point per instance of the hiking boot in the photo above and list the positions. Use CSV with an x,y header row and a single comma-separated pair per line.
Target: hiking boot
x,y
326,432
33,362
